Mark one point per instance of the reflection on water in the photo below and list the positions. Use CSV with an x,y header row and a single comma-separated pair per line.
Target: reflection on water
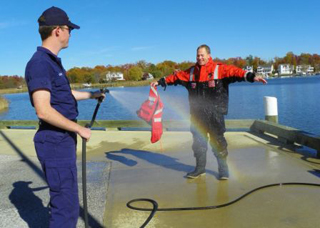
x,y
297,103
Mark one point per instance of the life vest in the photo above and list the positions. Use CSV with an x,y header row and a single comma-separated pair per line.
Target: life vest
x,y
208,85
151,112
208,96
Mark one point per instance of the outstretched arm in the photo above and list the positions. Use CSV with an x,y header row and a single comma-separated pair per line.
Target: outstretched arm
x,y
173,78
83,95
229,71
260,79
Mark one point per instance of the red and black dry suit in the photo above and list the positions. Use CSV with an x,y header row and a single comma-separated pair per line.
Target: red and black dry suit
x,y
208,88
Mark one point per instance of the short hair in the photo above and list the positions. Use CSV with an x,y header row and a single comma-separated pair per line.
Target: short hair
x,y
45,31
206,47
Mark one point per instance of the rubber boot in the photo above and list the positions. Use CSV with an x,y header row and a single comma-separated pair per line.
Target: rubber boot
x,y
223,168
200,168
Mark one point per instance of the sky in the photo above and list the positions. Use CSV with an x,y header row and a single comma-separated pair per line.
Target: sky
x,y
117,32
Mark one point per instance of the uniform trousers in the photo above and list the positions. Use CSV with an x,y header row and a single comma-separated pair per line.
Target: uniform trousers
x,y
56,151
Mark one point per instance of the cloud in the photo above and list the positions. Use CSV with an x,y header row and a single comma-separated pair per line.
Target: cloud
x,y
103,51
106,52
141,48
10,24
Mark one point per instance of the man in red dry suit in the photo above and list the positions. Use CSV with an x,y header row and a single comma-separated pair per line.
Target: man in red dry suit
x,y
207,83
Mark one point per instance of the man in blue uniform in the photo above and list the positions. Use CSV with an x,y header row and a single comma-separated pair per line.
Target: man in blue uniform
x,y
56,107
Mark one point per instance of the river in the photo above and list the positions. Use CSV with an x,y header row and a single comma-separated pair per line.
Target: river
x,y
297,103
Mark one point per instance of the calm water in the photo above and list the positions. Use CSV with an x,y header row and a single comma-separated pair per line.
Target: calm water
x,y
297,103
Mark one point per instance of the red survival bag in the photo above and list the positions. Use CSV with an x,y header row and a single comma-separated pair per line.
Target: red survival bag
x,y
151,112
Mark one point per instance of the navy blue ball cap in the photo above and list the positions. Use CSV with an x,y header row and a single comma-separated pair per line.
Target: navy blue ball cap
x,y
55,16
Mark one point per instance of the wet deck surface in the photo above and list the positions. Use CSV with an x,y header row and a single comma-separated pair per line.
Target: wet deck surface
x,y
135,168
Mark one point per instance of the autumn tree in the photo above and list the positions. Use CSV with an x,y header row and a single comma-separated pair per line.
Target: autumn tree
x,y
166,67
143,64
135,73
11,81
152,69
184,65
249,60
305,59
257,62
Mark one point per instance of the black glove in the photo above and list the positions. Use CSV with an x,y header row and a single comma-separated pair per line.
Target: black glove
x,y
163,83
250,77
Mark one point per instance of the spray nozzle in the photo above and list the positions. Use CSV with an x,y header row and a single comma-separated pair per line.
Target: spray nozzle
x,y
104,90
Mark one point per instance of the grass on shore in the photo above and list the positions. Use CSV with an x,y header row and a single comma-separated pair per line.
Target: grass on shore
x,y
13,90
3,103
114,84
80,86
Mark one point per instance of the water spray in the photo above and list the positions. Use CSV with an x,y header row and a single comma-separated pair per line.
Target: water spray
x,y
84,159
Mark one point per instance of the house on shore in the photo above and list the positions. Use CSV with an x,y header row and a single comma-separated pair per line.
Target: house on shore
x,y
265,70
249,69
114,76
284,69
304,69
147,76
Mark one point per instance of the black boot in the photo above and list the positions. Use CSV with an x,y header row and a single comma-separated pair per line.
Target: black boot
x,y
200,168
222,164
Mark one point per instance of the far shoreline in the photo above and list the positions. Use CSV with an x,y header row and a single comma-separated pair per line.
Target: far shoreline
x,y
81,86
127,84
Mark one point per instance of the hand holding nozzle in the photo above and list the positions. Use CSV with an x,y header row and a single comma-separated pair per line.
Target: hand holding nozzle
x,y
100,94
103,92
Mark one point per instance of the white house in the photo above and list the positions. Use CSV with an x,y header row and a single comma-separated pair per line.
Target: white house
x,y
304,69
265,70
147,76
249,69
285,69
310,69
299,69
114,76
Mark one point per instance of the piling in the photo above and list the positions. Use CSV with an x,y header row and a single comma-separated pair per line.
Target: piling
x,y
271,109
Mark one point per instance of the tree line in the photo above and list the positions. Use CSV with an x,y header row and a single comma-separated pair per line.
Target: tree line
x,y
131,72
11,81
134,72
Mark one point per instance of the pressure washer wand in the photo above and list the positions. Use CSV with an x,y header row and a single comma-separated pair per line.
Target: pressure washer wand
x,y
100,99
84,159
